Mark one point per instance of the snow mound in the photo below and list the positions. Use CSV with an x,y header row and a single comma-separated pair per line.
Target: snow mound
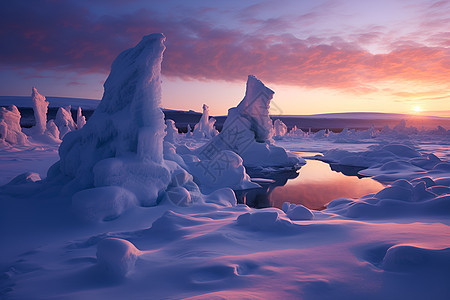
x,y
102,203
401,199
406,258
205,127
116,257
10,130
265,220
122,144
297,212
225,169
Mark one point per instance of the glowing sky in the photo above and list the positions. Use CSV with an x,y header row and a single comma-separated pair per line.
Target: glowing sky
x,y
318,56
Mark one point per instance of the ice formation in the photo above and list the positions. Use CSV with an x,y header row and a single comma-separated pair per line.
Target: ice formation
x,y
189,131
10,130
280,129
40,107
64,121
248,132
122,144
119,157
171,132
205,127
81,120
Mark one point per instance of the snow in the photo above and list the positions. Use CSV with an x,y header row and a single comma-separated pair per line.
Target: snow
x,y
129,213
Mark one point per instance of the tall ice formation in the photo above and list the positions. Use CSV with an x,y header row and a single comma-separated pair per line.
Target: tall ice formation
x,y
205,127
122,144
40,107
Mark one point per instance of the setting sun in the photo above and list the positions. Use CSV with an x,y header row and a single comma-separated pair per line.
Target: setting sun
x,y
417,109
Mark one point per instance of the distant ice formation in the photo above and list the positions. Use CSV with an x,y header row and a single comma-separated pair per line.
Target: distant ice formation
x,y
171,132
64,121
10,130
205,127
280,129
40,107
81,120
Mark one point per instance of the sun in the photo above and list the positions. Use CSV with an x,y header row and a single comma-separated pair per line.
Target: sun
x,y
416,109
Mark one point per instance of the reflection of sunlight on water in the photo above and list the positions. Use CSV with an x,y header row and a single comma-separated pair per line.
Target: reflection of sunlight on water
x,y
314,186
317,185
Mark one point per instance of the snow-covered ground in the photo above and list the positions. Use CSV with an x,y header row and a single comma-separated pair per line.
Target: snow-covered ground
x,y
125,214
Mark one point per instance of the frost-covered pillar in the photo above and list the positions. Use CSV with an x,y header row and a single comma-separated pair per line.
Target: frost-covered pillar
x,y
135,80
40,108
255,107
122,144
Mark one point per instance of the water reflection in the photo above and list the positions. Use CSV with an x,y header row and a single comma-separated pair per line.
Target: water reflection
x,y
314,186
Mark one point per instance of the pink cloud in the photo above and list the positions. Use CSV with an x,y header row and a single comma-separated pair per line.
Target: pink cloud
x,y
59,36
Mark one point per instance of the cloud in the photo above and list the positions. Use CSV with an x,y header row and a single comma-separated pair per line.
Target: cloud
x,y
64,36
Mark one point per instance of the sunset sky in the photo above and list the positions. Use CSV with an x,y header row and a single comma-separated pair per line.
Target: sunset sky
x,y
319,56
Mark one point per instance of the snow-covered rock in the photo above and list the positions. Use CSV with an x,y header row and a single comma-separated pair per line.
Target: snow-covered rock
x,y
10,130
205,127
